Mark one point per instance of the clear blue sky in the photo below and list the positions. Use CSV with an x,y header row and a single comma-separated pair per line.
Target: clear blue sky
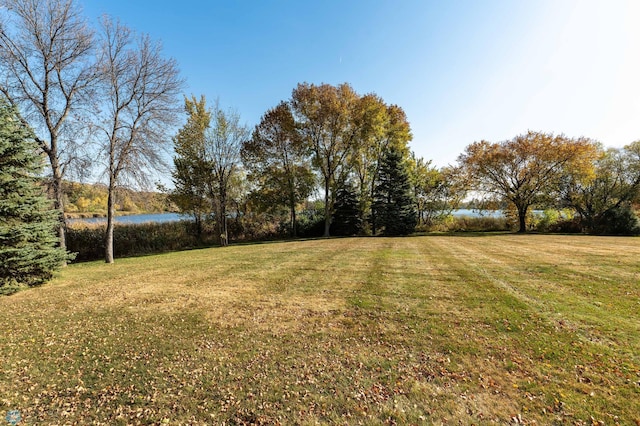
x,y
462,70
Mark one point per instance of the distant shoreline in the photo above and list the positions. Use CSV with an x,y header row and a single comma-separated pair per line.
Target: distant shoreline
x,y
98,215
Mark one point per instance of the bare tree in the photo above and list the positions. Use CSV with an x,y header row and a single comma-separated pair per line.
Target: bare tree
x,y
223,143
141,105
46,70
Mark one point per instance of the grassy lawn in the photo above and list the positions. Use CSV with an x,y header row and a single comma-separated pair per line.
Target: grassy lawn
x,y
436,329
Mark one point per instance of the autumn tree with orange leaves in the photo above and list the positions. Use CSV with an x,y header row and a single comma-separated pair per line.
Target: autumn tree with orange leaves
x,y
525,170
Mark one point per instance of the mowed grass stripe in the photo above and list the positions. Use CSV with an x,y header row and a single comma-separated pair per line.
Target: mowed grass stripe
x,y
547,308
569,287
434,329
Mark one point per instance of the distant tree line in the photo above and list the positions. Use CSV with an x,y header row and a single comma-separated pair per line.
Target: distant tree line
x,y
91,199
353,151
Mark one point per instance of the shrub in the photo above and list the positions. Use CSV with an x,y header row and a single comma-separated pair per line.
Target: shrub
x,y
621,220
561,221
479,224
566,226
467,224
257,227
547,220
311,224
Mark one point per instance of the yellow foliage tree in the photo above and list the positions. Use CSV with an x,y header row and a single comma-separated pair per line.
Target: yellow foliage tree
x,y
526,169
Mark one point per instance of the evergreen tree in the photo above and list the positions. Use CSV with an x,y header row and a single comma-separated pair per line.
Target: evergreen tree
x,y
29,251
393,203
346,217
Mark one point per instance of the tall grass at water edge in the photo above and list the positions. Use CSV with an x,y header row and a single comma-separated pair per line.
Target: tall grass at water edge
x,y
87,240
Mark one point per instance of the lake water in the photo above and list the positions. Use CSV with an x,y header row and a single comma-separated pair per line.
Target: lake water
x,y
488,213
477,213
136,218
173,217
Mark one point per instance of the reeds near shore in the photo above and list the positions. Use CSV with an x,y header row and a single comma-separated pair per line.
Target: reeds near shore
x,y
133,239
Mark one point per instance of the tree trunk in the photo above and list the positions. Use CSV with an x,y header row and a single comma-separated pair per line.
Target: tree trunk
x,y
327,209
198,222
373,206
108,237
224,235
292,208
373,220
59,205
58,201
522,218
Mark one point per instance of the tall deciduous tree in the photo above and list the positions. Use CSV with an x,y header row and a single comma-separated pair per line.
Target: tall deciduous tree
x,y
325,117
223,143
29,251
393,200
372,119
190,175
141,89
278,161
46,67
525,169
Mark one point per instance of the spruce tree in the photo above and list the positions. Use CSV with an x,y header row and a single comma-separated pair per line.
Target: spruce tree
x,y
393,203
29,252
346,217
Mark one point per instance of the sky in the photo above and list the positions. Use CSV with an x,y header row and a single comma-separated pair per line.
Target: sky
x,y
463,71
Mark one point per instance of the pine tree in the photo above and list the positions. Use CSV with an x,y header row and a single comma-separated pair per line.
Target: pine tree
x,y
29,252
346,217
393,203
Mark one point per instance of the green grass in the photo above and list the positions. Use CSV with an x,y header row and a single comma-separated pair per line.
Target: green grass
x,y
434,329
